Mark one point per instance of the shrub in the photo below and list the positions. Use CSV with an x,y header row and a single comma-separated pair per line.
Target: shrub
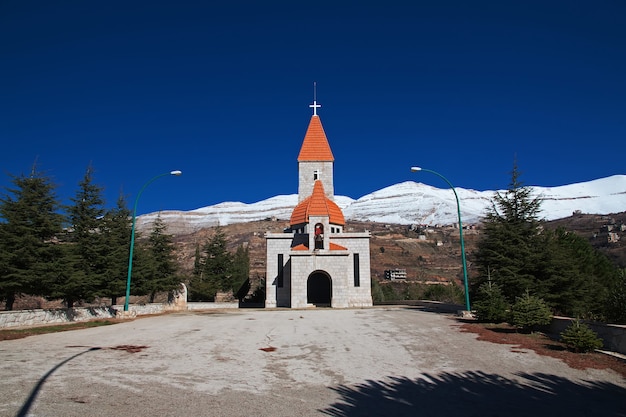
x,y
445,293
529,312
491,305
377,292
579,337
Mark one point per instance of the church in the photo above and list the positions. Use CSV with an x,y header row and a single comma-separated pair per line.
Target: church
x,y
316,262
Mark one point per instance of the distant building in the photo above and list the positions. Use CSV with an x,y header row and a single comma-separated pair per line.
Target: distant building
x,y
613,237
394,274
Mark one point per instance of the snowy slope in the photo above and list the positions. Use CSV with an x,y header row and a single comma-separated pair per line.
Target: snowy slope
x,y
408,203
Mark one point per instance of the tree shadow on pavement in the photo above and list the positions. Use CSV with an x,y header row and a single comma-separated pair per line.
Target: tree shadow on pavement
x,y
35,391
479,394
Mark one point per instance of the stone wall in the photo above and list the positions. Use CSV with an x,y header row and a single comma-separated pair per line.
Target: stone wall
x,y
211,306
46,317
41,317
613,335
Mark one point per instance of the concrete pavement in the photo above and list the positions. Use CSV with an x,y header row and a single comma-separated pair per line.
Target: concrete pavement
x,y
364,362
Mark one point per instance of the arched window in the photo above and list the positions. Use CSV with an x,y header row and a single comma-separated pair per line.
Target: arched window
x,y
319,236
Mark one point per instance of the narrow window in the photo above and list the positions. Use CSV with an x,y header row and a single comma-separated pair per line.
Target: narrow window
x,y
319,236
357,276
281,272
316,175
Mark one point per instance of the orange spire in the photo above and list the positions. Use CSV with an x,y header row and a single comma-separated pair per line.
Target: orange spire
x,y
315,146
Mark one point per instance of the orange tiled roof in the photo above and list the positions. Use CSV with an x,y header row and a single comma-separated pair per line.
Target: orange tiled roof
x,y
317,205
334,246
315,146
301,246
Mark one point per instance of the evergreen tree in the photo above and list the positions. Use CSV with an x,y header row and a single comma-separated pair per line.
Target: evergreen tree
x,y
87,249
574,278
510,247
28,231
490,305
70,281
117,230
197,262
616,303
162,268
215,269
529,312
377,292
142,266
579,337
240,268
560,267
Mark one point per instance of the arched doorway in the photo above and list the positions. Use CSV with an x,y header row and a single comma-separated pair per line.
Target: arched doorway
x,y
319,289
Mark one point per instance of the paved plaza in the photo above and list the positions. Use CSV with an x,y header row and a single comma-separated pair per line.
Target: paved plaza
x,y
382,361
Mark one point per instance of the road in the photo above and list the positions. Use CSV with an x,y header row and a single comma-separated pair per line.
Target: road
x,y
383,361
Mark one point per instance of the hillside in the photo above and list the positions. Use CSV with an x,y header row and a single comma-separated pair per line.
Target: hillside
x,y
607,233
435,257
427,253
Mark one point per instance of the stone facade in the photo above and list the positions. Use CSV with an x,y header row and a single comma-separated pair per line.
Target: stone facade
x,y
309,171
289,271
315,264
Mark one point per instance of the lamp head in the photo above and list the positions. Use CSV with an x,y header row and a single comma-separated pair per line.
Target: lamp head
x,y
177,173
415,169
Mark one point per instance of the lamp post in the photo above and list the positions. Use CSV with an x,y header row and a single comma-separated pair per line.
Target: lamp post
x,y
458,207
132,233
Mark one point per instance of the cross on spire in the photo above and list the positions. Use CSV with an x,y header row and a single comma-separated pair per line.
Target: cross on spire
x,y
315,105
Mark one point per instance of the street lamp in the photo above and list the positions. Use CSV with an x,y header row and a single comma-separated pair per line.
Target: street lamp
x,y
458,207
132,234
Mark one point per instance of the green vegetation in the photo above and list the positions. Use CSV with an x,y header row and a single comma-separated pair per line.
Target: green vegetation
x,y
491,306
529,312
579,337
29,228
84,259
75,253
616,303
117,230
519,255
217,270
404,291
160,273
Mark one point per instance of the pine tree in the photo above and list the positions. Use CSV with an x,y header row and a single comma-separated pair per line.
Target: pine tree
x,y
574,278
87,246
490,305
70,282
215,270
529,312
560,267
197,262
162,270
240,268
510,247
117,229
28,231
615,309
579,337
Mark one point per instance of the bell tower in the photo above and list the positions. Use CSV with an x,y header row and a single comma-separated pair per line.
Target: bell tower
x,y
315,160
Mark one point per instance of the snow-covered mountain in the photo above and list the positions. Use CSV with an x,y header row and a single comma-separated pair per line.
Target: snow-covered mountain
x,y
407,203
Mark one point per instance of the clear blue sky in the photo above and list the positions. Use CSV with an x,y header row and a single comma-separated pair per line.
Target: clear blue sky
x,y
220,90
